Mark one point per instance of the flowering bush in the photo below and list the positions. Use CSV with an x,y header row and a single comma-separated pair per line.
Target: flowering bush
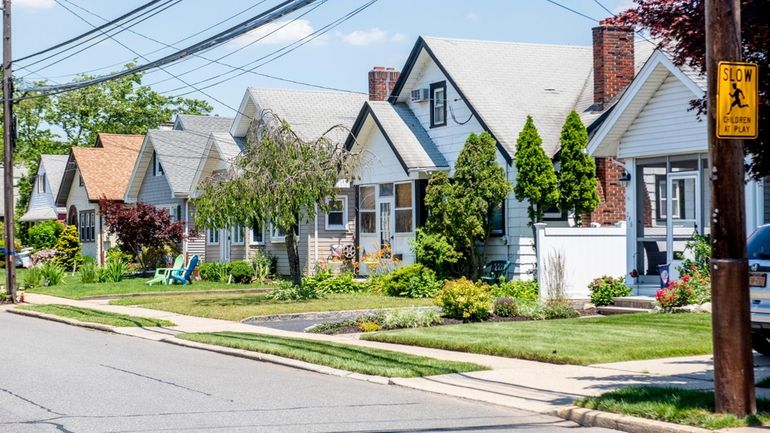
x,y
463,299
42,256
689,289
605,288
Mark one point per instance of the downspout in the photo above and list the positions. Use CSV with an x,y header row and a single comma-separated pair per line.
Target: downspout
x,y
315,237
186,241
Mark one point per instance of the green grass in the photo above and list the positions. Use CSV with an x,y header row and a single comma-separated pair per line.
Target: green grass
x,y
72,288
239,307
96,316
345,357
680,406
570,341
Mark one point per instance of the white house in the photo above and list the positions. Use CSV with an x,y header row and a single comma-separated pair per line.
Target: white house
x,y
42,204
450,88
663,146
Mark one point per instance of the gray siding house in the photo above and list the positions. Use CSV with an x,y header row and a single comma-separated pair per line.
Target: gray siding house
x,y
42,204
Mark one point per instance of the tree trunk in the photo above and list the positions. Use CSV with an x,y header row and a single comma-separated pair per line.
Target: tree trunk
x,y
292,252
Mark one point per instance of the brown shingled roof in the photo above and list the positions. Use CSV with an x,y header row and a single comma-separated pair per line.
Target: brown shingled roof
x,y
106,168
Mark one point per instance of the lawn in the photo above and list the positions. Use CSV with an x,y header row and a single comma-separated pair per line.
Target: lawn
x,y
72,288
239,307
345,357
689,407
570,341
96,316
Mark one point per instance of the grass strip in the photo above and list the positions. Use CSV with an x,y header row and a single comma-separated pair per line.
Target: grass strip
x,y
96,316
680,406
357,359
570,341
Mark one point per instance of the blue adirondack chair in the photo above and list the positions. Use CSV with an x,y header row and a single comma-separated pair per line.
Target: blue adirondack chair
x,y
162,274
184,277
494,270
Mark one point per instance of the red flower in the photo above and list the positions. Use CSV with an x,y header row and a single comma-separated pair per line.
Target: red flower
x,y
634,274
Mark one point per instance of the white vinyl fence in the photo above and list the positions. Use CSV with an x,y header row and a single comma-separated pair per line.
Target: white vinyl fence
x,y
588,252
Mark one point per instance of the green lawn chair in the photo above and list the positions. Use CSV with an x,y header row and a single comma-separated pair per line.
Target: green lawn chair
x,y
162,274
184,277
495,270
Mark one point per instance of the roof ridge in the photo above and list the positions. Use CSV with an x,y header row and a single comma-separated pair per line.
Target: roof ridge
x,y
537,44
283,89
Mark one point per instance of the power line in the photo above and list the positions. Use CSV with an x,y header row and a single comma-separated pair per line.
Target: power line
x,y
572,10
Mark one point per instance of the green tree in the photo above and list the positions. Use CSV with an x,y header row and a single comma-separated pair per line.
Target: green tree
x,y
44,235
535,179
278,179
68,248
461,208
577,175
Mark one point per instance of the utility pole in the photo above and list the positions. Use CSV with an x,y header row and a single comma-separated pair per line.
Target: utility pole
x,y
731,320
9,133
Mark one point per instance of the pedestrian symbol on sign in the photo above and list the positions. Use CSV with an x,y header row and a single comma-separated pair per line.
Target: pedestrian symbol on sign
x,y
737,96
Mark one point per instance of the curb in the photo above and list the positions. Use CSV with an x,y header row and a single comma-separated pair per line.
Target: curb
x,y
626,423
73,322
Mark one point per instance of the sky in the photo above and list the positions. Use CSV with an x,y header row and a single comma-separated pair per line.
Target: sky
x,y
381,35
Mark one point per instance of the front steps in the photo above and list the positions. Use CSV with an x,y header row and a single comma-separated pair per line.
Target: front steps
x,y
629,305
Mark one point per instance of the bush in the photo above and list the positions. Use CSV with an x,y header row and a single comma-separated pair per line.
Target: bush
x,y
605,288
88,274
241,272
214,271
530,310
33,278
68,249
398,319
286,291
413,281
369,327
504,307
41,256
464,299
112,272
114,254
700,248
435,252
262,264
44,235
324,282
689,289
52,273
558,309
517,289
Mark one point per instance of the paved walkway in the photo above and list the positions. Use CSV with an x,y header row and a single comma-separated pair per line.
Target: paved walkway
x,y
521,384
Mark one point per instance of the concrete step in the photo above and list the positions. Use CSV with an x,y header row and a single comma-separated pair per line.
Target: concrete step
x,y
647,302
611,309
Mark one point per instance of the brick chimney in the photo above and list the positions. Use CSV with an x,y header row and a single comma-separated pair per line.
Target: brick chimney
x,y
382,80
613,61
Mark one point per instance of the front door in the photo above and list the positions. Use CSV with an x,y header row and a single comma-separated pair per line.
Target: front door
x,y
224,245
385,224
683,211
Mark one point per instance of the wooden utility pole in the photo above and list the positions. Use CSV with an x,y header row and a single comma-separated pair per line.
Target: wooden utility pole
x,y
731,320
9,133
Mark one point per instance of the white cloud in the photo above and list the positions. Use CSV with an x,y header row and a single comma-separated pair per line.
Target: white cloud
x,y
279,32
371,36
35,4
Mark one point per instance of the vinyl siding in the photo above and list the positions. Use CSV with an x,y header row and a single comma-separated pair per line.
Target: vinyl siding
x,y
41,200
155,190
78,197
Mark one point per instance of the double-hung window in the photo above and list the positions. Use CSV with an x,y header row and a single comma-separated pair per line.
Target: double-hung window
x,y
438,104
41,183
87,226
237,234
257,234
366,209
337,216
498,221
404,207
213,236
157,169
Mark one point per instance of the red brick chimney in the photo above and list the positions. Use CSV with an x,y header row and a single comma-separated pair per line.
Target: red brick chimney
x,y
613,72
382,80
613,61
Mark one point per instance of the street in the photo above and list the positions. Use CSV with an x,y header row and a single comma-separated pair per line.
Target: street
x,y
65,379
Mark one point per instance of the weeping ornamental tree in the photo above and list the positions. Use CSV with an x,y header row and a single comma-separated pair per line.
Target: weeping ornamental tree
x,y
577,175
277,179
536,180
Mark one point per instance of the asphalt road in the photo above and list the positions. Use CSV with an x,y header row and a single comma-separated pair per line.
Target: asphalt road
x,y
58,378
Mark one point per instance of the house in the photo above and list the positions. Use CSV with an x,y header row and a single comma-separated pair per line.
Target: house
x,y
663,146
93,174
167,167
416,124
42,206
310,114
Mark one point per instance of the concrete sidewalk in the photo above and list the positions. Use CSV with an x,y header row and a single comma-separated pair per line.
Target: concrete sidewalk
x,y
528,385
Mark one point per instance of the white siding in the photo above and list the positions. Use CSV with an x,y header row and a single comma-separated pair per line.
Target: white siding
x,y
665,126
79,198
41,200
379,163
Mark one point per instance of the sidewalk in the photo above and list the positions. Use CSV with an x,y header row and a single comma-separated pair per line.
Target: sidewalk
x,y
528,385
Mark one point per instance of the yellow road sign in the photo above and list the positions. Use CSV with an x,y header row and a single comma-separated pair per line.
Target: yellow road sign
x,y
737,100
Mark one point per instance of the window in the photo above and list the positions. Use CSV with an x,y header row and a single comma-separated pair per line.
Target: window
x,y
337,216
213,236
677,204
257,234
237,234
404,207
366,209
386,190
174,211
277,234
438,104
157,169
80,180
41,183
498,221
87,227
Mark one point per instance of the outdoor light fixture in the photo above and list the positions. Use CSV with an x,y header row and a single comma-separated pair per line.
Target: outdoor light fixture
x,y
625,178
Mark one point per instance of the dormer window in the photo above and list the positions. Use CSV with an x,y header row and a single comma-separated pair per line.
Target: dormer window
x,y
438,104
41,183
157,169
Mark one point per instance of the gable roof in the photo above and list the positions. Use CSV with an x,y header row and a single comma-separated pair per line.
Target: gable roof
x,y
402,130
205,124
659,67
503,82
179,153
54,168
222,146
310,113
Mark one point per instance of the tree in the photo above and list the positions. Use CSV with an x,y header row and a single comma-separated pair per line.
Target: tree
x,y
278,179
44,235
535,179
141,226
68,248
577,175
679,26
461,208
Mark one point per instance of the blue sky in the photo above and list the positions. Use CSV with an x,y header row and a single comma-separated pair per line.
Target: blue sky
x,y
381,35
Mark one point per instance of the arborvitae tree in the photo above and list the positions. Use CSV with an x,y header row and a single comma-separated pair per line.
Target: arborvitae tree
x,y
577,176
68,248
536,180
